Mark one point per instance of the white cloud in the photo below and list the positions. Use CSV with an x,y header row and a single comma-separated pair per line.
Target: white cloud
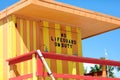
x,y
116,73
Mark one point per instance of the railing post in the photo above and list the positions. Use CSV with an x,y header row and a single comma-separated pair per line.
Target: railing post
x,y
34,69
104,71
40,69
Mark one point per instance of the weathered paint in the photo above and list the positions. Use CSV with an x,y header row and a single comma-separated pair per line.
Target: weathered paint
x,y
24,34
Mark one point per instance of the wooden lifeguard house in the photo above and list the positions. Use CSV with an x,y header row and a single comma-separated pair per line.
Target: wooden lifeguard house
x,y
52,27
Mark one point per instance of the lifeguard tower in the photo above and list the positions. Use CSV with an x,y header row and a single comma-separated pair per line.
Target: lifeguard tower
x,y
56,29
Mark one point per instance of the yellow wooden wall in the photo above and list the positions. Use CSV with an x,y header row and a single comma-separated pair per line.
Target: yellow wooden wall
x,y
19,35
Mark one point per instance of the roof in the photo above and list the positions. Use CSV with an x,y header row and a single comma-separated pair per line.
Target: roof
x,y
91,23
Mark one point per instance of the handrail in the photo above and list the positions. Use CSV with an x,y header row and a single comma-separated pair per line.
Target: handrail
x,y
51,55
21,58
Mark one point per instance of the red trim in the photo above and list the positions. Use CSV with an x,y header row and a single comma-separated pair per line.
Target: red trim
x,y
70,76
50,55
21,58
80,59
40,66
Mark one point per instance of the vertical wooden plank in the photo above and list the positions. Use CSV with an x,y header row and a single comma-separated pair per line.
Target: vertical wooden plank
x,y
31,35
5,50
31,42
25,43
14,43
69,50
9,37
24,36
74,47
34,48
9,41
13,22
46,36
21,45
1,52
58,49
38,42
34,36
34,67
81,68
28,34
18,36
52,46
64,50
46,41
40,37
28,45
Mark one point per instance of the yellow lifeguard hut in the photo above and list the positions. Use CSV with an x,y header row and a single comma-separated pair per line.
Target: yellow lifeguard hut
x,y
51,27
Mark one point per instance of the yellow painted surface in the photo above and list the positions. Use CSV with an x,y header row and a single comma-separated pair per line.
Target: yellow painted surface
x,y
81,69
29,40
14,52
24,34
34,35
21,45
46,41
69,50
58,50
34,67
9,43
28,43
1,52
28,46
9,33
35,48
28,35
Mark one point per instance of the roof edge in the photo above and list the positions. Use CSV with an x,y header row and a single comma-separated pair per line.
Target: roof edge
x,y
15,6
77,11
78,8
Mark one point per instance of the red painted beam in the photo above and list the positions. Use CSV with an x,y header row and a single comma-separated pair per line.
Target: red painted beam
x,y
70,76
21,58
80,59
50,55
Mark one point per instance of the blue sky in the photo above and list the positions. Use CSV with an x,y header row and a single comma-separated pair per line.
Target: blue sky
x,y
6,3
95,46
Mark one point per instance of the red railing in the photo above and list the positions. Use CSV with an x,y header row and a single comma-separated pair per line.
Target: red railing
x,y
49,55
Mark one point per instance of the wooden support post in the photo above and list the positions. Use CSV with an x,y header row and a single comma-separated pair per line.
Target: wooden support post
x,y
104,71
104,74
34,67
